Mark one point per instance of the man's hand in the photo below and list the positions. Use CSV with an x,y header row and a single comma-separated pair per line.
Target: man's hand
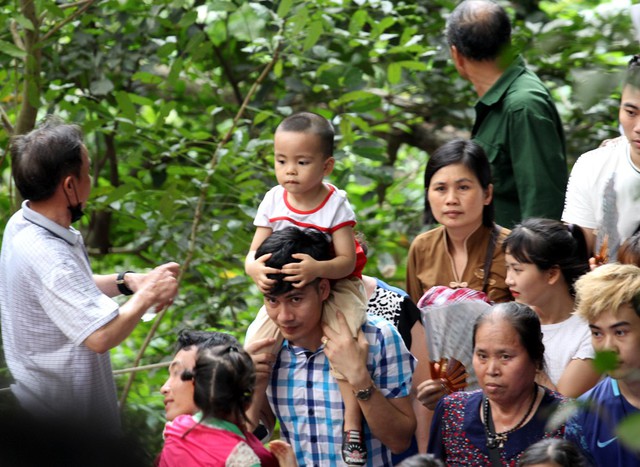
x,y
347,355
263,360
160,285
302,273
258,270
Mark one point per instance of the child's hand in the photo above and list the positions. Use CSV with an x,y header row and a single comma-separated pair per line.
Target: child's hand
x,y
284,453
347,355
302,273
258,271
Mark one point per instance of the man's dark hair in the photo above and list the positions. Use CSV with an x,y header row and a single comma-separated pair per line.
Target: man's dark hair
x,y
309,122
284,243
479,29
43,157
632,75
188,338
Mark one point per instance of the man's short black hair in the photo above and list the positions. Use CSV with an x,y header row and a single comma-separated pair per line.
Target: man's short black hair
x,y
479,29
284,243
43,157
188,338
632,75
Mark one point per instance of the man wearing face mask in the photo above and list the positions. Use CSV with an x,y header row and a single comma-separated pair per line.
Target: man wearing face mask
x,y
58,318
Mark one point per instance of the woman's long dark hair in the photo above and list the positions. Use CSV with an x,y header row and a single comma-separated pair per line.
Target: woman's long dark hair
x,y
472,156
549,243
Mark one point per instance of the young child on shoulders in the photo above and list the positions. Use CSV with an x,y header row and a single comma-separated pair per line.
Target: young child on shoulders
x,y
303,146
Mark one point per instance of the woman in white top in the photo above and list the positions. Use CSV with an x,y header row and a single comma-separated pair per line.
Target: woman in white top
x,y
544,258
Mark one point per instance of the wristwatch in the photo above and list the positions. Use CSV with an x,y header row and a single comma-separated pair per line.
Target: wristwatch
x,y
122,287
364,394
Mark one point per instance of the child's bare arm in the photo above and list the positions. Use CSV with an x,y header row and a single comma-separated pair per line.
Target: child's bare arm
x,y
341,266
255,267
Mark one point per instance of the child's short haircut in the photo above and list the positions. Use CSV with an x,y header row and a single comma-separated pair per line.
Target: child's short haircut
x,y
607,288
309,122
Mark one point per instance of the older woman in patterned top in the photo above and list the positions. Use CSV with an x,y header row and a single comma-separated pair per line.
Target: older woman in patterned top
x,y
494,425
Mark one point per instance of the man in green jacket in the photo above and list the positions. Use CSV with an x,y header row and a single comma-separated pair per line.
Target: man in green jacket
x,y
517,123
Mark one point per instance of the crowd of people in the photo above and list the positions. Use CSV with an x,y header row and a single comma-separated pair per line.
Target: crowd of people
x,y
336,364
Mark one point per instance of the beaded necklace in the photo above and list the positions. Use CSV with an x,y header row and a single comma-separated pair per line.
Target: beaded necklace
x,y
497,440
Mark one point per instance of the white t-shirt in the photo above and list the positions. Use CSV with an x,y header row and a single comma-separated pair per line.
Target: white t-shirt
x,y
331,215
601,178
563,342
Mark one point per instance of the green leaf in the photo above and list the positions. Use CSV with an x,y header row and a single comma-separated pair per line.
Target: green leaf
x,y
394,72
145,77
284,8
605,361
357,21
24,22
300,21
188,19
628,431
101,87
174,74
381,26
10,49
125,106
369,149
194,42
413,65
313,34
277,69
261,117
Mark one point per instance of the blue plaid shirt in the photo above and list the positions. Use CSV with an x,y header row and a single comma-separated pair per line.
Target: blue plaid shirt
x,y
308,404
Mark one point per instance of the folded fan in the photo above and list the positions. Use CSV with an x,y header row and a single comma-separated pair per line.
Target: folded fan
x,y
448,316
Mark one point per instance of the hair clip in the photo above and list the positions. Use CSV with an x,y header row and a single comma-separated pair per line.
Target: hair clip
x,y
635,60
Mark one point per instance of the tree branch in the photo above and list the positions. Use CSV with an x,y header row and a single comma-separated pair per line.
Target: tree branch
x,y
229,73
68,19
198,212
6,123
31,84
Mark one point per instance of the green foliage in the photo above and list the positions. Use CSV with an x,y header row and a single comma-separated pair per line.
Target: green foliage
x,y
157,84
605,361
628,431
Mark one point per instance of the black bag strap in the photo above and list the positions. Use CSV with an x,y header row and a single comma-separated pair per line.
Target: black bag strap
x,y
489,258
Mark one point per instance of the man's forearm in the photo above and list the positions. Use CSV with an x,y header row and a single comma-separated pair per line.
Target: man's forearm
x,y
392,421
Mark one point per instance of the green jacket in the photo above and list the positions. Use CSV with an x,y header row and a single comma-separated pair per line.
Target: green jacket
x,y
518,126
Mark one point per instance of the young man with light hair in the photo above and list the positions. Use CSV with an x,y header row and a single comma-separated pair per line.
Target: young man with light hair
x,y
609,299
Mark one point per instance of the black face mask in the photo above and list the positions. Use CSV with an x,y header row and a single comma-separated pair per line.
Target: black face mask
x,y
76,211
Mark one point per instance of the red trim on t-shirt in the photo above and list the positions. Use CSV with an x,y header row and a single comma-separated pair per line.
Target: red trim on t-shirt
x,y
317,208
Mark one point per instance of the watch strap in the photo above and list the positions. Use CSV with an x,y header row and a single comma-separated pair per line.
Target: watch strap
x,y
122,287
365,394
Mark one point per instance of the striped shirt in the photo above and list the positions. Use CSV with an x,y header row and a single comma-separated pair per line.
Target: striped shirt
x,y
307,401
